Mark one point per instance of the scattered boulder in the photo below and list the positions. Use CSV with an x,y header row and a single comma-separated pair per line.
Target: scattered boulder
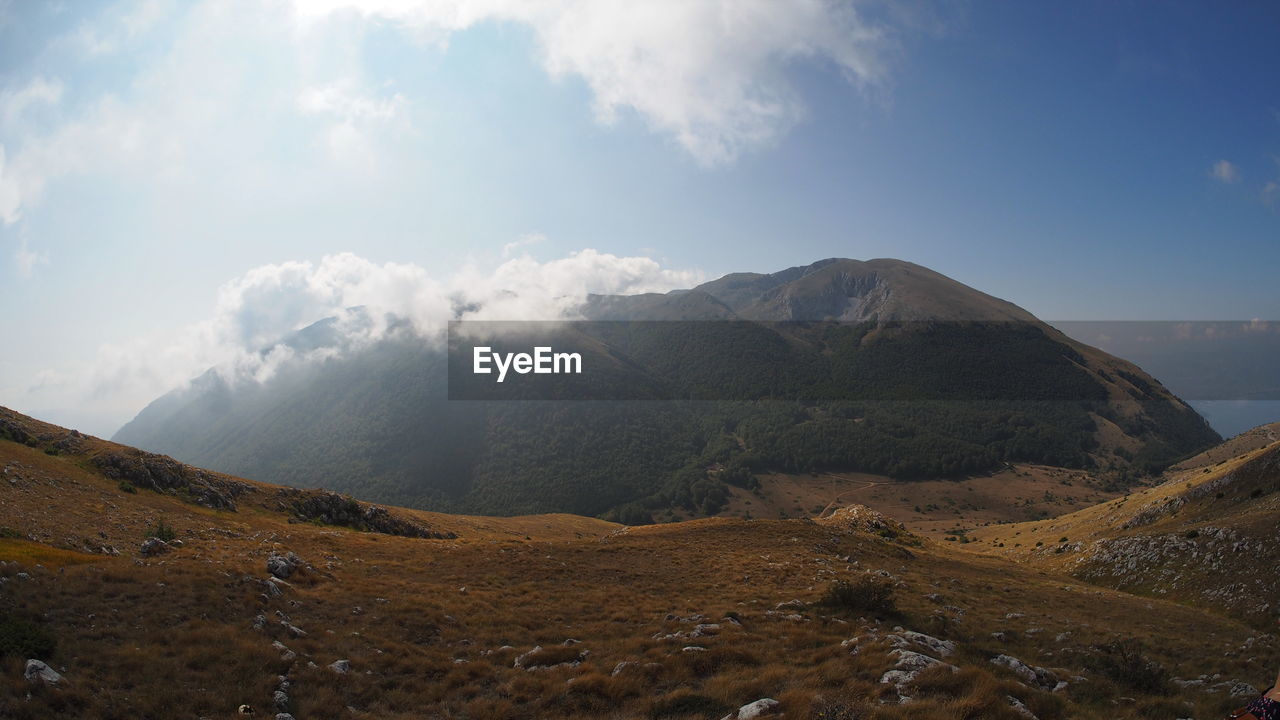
x,y
1021,708
282,566
342,667
37,671
540,657
154,546
760,708
1029,674
908,666
940,648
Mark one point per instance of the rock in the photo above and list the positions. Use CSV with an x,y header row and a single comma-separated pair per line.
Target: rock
x,y
538,658
630,666
293,630
284,716
271,589
1029,674
908,666
693,648
280,699
705,629
759,708
1242,689
940,648
342,667
285,653
153,546
282,566
909,660
790,605
37,671
1021,709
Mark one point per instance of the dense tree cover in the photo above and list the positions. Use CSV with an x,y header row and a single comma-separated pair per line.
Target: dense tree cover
x,y
909,401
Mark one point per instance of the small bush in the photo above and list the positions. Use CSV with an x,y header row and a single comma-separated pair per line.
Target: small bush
x,y
23,639
162,531
126,486
867,593
8,532
1124,663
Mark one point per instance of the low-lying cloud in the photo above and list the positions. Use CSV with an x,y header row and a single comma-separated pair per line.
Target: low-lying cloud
x,y
255,311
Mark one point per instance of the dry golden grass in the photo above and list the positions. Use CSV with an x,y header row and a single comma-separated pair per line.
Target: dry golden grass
x,y
931,507
432,628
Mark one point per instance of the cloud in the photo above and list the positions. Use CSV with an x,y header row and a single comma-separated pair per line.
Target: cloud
x,y
354,116
524,240
710,74
38,91
255,310
1224,171
1271,193
27,260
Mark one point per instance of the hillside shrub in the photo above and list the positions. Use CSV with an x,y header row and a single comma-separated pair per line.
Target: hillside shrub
x,y
866,594
23,639
1124,662
162,531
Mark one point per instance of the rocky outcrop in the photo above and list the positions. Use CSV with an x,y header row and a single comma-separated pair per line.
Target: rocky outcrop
x,y
282,566
153,546
1030,675
162,473
332,508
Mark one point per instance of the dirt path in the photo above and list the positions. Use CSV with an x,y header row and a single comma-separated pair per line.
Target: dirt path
x,y
839,499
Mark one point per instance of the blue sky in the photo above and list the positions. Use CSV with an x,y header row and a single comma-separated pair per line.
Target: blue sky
x,y
175,174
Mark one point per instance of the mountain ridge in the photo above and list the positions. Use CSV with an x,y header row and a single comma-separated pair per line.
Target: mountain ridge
x,y
376,422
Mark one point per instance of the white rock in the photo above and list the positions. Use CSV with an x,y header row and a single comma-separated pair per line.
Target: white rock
x,y
37,671
759,708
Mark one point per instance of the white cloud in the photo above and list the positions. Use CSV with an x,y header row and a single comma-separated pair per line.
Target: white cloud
x,y
39,91
27,260
1271,193
524,240
1225,171
710,73
354,115
255,310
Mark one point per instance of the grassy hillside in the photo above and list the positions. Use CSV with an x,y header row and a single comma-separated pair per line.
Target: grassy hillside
x,y
550,616
1204,536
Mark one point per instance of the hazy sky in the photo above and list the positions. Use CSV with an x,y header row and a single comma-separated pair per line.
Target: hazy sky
x,y
179,181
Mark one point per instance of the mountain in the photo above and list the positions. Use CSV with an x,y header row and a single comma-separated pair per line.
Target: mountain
x,y
1201,536
135,586
880,366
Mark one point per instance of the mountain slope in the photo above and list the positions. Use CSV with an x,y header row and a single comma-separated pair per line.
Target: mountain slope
x,y
880,366
1204,536
551,616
